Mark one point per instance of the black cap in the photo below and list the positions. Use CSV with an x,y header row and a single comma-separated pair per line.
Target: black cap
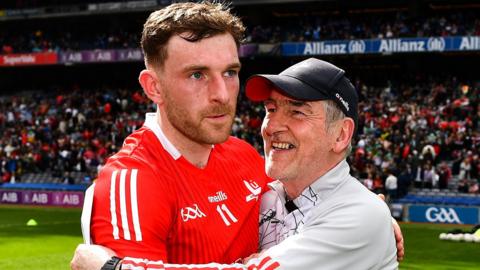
x,y
309,80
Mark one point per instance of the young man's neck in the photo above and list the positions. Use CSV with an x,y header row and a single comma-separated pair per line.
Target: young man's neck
x,y
197,154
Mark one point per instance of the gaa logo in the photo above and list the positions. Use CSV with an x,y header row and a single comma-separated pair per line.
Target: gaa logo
x,y
436,44
443,215
356,46
193,212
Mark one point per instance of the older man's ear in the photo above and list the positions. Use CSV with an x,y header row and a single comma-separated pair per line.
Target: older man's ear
x,y
344,134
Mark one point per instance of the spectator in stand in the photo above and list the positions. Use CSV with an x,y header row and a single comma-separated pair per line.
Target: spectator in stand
x,y
463,186
368,182
444,175
465,168
391,186
473,187
428,175
404,180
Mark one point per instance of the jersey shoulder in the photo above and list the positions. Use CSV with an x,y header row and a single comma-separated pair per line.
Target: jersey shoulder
x,y
141,148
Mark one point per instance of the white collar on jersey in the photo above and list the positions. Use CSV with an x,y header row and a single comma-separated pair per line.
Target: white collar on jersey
x,y
152,124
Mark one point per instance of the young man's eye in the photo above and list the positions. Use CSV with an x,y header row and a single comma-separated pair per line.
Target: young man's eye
x,y
196,75
231,73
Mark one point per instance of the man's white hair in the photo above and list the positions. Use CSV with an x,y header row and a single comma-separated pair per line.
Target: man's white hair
x,y
332,114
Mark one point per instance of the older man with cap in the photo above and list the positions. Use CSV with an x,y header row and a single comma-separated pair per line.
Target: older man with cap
x,y
317,216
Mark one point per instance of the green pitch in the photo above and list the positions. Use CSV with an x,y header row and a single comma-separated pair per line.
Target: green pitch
x,y
51,243
425,251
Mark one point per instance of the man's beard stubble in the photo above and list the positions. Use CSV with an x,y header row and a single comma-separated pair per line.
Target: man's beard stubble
x,y
181,120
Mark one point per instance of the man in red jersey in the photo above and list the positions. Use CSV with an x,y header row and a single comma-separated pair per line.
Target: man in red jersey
x,y
181,189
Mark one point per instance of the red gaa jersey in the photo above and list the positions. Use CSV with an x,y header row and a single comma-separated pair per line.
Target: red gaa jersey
x,y
150,202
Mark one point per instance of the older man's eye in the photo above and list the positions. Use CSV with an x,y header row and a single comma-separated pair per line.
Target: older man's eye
x,y
295,112
270,110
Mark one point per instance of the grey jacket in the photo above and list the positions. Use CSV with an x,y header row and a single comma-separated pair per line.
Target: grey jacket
x,y
339,224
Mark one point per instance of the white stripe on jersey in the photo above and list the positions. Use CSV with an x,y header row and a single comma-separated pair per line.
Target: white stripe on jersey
x,y
123,205
112,205
141,264
133,199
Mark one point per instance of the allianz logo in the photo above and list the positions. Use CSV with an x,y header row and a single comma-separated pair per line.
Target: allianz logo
x,y
356,46
444,215
436,44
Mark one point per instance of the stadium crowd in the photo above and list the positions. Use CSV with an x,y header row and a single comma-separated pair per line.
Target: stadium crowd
x,y
293,28
364,26
420,135
404,140
66,131
44,41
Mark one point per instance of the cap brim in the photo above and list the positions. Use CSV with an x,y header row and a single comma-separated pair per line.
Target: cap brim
x,y
259,87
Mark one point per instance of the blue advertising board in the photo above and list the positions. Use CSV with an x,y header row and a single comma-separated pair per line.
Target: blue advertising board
x,y
443,214
382,46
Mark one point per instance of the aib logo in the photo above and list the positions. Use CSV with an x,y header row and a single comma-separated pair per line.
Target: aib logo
x,y
194,212
444,215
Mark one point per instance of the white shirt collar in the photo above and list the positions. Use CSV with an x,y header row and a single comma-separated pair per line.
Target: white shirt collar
x,y
152,123
318,190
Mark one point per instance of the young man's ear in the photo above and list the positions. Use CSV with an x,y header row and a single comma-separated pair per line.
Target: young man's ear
x,y
151,85
344,135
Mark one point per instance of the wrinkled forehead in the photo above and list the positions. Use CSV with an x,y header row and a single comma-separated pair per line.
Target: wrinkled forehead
x,y
278,98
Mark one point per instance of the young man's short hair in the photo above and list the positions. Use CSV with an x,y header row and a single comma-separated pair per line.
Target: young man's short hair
x,y
194,21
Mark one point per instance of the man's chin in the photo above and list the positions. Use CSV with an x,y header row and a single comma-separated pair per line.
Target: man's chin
x,y
272,173
217,137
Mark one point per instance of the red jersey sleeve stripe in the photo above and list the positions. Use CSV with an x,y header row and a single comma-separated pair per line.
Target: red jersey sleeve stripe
x,y
134,203
272,266
113,205
265,264
123,205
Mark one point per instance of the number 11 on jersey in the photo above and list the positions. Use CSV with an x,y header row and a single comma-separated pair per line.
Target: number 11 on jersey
x,y
226,214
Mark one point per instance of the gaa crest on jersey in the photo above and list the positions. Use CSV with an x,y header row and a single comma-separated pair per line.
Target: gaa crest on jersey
x,y
191,212
254,190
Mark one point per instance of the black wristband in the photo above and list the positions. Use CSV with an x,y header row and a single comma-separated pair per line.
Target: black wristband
x,y
112,263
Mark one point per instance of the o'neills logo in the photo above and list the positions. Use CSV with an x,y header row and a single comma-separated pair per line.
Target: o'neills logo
x,y
218,197
345,104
